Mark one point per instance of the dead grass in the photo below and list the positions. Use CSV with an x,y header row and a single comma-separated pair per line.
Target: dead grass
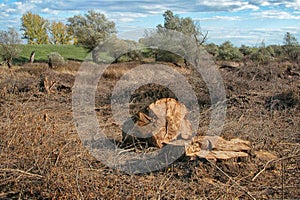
x,y
42,157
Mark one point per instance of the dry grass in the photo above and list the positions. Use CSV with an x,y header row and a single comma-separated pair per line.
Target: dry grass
x,y
42,157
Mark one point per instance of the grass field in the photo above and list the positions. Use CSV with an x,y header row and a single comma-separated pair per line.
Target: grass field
x,y
69,52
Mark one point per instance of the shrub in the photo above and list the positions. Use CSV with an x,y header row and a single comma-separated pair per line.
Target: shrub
x,y
278,51
212,49
167,56
292,52
55,60
246,50
262,55
228,52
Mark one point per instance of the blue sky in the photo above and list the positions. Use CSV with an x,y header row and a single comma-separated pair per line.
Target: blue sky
x,y
240,21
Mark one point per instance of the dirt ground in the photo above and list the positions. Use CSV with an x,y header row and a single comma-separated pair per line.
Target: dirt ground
x,y
42,156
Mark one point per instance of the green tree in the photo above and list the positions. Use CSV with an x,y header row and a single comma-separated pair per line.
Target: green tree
x,y
291,46
91,29
175,28
60,33
9,45
290,39
184,25
35,28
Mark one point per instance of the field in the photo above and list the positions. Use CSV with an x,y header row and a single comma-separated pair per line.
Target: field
x,y
69,52
42,156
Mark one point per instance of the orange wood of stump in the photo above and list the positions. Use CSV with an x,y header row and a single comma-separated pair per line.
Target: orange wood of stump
x,y
166,123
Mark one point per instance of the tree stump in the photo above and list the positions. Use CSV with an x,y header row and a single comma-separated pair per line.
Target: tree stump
x,y
165,122
46,84
31,58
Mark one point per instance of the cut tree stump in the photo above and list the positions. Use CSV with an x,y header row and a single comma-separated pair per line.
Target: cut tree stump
x,y
46,84
165,122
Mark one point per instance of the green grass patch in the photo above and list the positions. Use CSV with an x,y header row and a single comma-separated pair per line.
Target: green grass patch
x,y
69,52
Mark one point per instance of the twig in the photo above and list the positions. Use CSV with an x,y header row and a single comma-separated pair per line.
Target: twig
x,y
265,167
270,161
125,150
231,179
282,178
22,172
58,156
5,195
78,187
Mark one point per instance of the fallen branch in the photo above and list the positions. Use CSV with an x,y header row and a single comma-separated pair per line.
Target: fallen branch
x,y
21,171
270,161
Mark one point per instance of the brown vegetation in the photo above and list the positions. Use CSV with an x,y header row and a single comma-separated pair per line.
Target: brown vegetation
x,y
42,157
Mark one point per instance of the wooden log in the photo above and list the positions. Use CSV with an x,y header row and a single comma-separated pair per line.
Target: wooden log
x,y
220,149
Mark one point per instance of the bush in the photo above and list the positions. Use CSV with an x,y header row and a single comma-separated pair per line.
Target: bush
x,y
292,52
167,56
55,60
246,50
263,55
228,52
212,49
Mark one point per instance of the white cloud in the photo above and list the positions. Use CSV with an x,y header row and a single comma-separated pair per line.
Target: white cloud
x,y
49,11
126,16
260,2
23,7
226,18
293,4
153,9
10,10
275,14
227,5
35,1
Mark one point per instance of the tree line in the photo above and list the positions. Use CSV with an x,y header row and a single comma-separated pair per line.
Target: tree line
x,y
289,50
93,28
87,29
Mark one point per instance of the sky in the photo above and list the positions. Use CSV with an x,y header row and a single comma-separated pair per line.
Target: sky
x,y
239,21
